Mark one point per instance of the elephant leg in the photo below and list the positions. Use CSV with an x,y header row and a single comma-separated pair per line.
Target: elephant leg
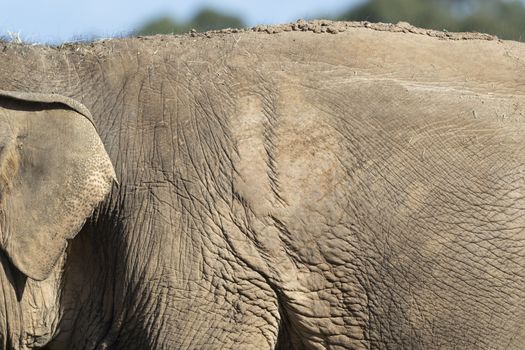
x,y
244,318
203,320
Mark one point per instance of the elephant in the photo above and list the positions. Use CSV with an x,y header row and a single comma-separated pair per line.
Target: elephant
x,y
317,185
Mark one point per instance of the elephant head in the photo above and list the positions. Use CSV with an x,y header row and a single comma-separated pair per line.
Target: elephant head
x,y
54,171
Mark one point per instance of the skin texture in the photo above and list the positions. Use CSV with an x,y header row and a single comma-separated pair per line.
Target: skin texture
x,y
313,186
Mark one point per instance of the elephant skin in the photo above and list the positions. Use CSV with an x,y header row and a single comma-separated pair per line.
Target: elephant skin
x,y
319,185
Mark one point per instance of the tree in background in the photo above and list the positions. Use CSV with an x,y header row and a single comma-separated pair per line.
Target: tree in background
x,y
206,19
504,18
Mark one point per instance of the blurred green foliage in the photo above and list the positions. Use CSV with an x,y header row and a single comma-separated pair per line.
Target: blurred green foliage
x,y
206,19
504,18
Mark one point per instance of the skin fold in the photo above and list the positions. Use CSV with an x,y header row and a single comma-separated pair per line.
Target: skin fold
x,y
310,186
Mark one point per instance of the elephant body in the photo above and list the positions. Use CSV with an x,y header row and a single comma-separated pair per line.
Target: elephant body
x,y
314,186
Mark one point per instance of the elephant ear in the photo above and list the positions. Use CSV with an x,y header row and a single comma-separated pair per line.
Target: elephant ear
x,y
54,171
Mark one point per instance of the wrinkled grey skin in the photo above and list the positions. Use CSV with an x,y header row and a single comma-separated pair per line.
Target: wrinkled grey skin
x,y
294,190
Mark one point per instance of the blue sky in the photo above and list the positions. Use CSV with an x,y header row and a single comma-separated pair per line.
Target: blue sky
x,y
54,21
